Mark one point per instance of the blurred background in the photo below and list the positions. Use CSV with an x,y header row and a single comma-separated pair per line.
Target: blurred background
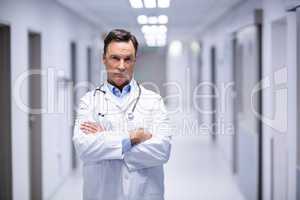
x,y
228,71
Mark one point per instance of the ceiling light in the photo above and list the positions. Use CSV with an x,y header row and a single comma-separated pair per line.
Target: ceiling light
x,y
162,29
150,3
145,29
152,20
150,40
163,19
142,19
195,47
136,3
161,36
154,29
163,3
161,43
176,48
151,43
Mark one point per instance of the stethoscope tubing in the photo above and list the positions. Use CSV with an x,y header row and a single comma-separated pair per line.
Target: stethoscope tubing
x,y
130,115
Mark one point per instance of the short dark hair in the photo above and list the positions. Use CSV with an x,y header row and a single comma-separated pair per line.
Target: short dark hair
x,y
120,35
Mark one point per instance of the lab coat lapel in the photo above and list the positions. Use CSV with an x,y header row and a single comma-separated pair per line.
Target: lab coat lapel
x,y
133,95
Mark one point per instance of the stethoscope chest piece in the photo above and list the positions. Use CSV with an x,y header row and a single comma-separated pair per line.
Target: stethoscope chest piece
x,y
130,116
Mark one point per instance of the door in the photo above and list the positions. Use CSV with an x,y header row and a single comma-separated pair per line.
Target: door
x,y
236,75
248,125
5,117
298,100
89,66
35,117
293,73
276,104
213,62
73,61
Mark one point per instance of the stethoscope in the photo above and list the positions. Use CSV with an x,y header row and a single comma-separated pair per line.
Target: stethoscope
x,y
130,115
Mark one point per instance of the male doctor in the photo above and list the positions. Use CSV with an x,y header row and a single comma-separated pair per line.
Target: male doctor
x,y
121,132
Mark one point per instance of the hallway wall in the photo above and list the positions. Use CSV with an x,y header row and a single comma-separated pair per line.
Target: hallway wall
x,y
279,146
151,68
220,35
58,27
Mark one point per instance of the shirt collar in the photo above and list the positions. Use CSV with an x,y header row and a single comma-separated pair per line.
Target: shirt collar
x,y
116,92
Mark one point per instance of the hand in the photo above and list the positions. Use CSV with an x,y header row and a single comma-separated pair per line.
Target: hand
x,y
91,128
139,136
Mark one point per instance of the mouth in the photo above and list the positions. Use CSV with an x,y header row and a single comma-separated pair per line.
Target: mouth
x,y
120,75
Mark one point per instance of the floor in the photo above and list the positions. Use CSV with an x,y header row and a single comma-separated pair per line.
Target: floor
x,y
195,171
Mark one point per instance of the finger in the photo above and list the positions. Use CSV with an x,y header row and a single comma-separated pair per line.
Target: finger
x,y
86,128
93,125
87,131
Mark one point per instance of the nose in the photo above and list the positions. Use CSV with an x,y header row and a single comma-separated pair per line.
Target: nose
x,y
121,66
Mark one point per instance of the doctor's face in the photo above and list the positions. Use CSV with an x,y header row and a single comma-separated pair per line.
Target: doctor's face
x,y
119,61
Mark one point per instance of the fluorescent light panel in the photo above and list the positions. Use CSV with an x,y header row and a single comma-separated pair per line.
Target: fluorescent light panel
x,y
154,29
155,35
163,19
163,3
152,20
136,3
150,3
142,19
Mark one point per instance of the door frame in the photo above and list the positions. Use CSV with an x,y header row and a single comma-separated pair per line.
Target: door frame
x,y
6,172
293,63
213,64
35,120
73,70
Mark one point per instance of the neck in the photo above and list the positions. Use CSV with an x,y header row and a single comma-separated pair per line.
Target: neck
x,y
120,87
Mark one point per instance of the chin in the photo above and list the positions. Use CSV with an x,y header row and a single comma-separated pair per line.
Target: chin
x,y
121,82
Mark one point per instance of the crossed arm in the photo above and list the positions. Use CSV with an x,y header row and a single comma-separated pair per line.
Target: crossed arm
x,y
136,137
94,143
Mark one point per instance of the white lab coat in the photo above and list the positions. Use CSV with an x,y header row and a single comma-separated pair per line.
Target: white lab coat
x,y
137,174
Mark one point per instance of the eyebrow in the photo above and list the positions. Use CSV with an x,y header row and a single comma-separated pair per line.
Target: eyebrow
x,y
122,56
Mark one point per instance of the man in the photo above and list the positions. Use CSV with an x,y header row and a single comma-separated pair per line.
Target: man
x,y
121,131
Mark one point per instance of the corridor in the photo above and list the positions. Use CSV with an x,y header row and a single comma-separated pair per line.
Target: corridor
x,y
197,170
172,99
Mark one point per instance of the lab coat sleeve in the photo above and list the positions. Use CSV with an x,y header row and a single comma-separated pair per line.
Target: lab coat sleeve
x,y
106,145
155,151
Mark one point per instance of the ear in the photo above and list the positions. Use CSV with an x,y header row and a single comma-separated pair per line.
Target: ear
x,y
103,59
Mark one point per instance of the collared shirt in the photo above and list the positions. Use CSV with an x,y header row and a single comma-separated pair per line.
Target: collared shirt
x,y
121,96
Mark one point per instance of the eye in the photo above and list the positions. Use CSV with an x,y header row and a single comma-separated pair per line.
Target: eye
x,y
115,58
127,59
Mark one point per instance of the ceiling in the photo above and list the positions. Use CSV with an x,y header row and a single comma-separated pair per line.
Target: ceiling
x,y
186,17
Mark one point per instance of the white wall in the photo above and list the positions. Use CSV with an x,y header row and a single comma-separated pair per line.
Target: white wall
x,y
151,68
58,26
218,34
273,10
182,71
284,113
